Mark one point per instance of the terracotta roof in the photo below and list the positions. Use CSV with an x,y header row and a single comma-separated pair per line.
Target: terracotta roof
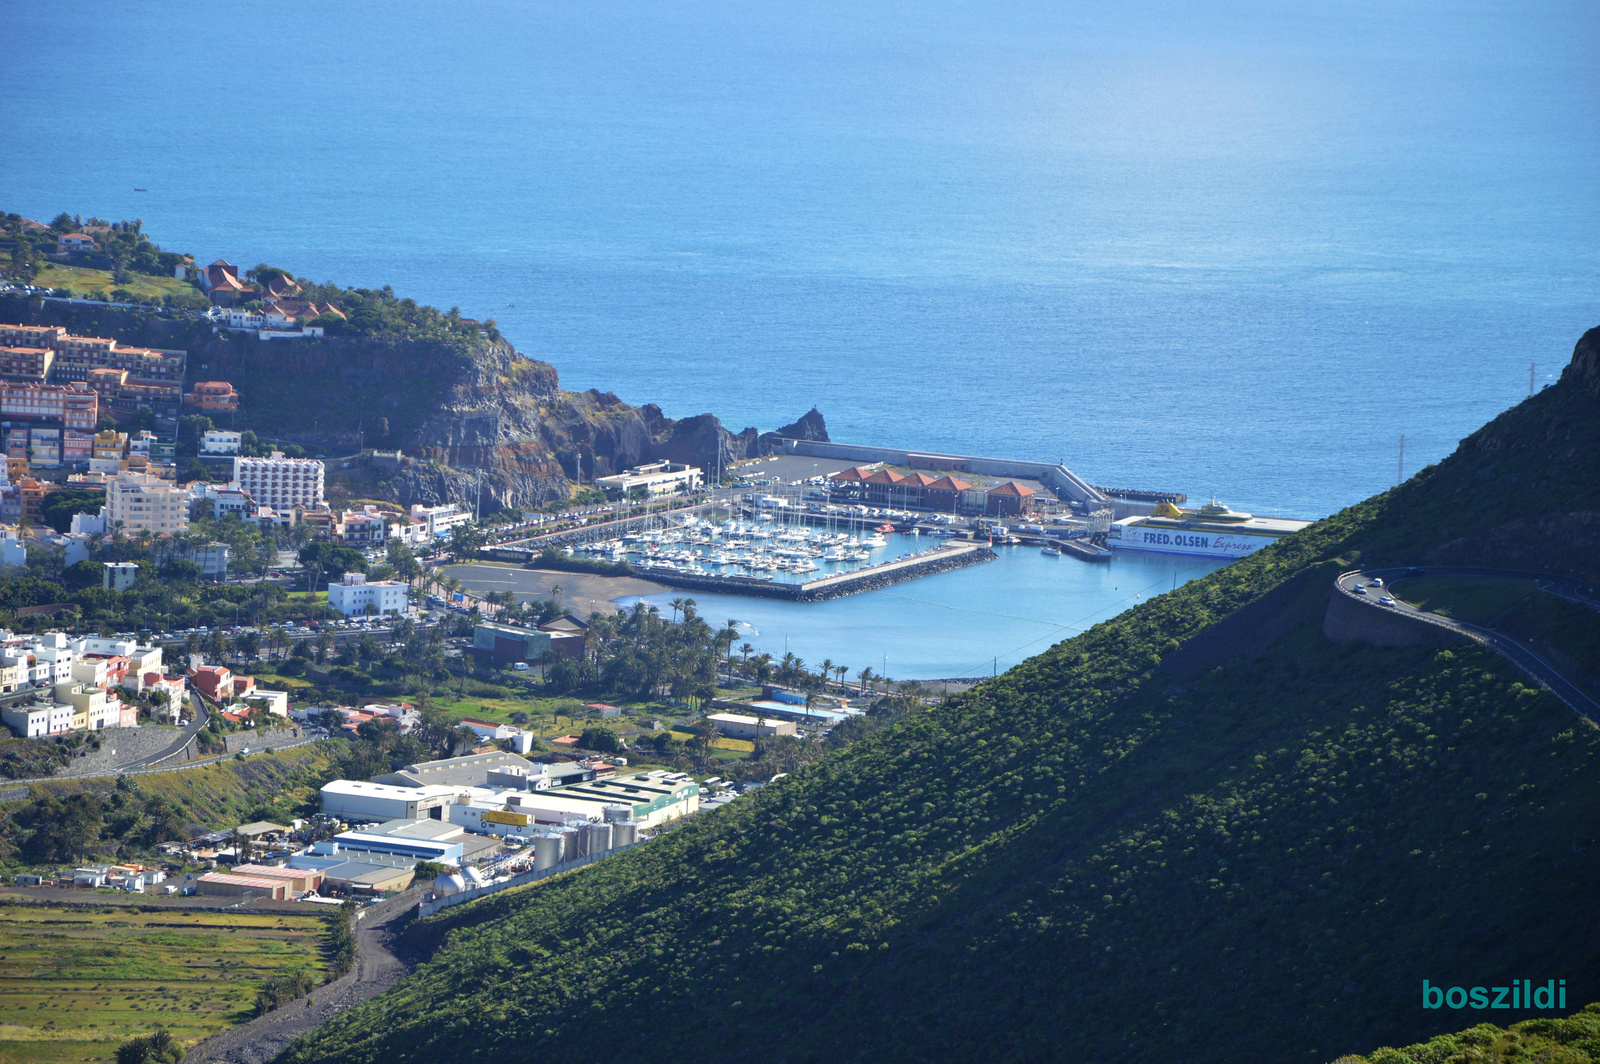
x,y
917,480
1011,487
884,476
950,484
852,474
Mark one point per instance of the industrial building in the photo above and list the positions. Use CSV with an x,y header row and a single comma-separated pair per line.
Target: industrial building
x,y
298,880
506,644
653,797
471,770
424,840
370,875
361,801
228,885
739,726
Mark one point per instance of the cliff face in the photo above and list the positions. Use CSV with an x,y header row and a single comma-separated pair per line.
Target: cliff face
x,y
465,412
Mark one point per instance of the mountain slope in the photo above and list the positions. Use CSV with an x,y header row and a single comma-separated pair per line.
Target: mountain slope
x,y
1198,832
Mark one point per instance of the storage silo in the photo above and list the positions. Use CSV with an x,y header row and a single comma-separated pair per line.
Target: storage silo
x,y
547,850
594,839
624,834
473,877
569,842
617,814
449,884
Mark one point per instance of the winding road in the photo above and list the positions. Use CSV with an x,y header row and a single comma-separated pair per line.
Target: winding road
x,y
1371,588
378,967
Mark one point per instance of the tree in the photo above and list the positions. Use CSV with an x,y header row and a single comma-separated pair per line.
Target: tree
x,y
465,541
599,738
58,507
243,845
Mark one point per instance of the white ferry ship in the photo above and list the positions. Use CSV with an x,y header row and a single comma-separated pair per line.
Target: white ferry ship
x,y
1213,531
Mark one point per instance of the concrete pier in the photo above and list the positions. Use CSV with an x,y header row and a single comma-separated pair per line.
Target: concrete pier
x,y
938,560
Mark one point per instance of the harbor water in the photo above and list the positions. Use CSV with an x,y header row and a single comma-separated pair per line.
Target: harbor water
x,y
964,623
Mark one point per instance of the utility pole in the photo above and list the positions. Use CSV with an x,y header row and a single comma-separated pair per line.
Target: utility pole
x,y
1400,467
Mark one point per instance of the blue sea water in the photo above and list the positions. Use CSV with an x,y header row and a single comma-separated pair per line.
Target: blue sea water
x,y
1235,248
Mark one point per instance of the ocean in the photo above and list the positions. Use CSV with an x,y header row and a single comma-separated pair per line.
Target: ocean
x,y
1234,249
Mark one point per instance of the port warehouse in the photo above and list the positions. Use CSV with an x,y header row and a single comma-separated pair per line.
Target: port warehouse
x,y
1066,484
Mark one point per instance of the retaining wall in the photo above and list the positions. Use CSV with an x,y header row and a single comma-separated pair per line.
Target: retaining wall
x,y
1349,621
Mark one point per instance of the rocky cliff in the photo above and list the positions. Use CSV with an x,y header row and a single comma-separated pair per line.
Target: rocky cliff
x,y
461,412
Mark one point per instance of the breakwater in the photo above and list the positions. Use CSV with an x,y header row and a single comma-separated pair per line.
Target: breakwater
x,y
939,560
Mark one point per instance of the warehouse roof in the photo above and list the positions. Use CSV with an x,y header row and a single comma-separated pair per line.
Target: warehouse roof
x,y
471,770
242,881
385,790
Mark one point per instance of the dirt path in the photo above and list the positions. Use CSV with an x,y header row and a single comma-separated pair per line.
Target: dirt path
x,y
377,969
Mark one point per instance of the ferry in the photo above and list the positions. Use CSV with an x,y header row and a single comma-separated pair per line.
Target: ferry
x,y
1212,531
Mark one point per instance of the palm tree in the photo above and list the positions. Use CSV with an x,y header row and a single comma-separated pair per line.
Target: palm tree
x,y
838,674
825,670
677,604
744,652
728,635
866,675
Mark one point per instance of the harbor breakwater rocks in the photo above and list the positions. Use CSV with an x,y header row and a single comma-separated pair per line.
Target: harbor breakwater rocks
x,y
830,587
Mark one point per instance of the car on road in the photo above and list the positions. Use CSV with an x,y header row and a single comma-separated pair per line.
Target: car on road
x,y
1358,590
1386,600
1413,571
1377,581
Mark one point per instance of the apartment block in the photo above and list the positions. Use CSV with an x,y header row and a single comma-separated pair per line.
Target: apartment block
x,y
280,482
137,502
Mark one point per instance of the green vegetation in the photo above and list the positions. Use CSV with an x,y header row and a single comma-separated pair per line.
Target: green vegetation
x,y
73,820
1197,832
1567,634
1574,1040
550,558
79,982
87,283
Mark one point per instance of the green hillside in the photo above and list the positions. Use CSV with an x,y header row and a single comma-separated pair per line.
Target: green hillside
x,y
1199,832
1573,1040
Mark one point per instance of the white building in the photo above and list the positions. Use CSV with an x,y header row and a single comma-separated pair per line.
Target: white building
x,y
39,718
139,502
656,478
354,595
274,702
439,520
220,441
142,660
280,482
118,576
359,800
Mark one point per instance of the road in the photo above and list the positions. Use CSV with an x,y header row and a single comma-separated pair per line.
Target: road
x,y
1520,655
378,967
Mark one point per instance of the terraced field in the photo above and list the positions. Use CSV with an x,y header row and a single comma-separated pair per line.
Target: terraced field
x,y
76,983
